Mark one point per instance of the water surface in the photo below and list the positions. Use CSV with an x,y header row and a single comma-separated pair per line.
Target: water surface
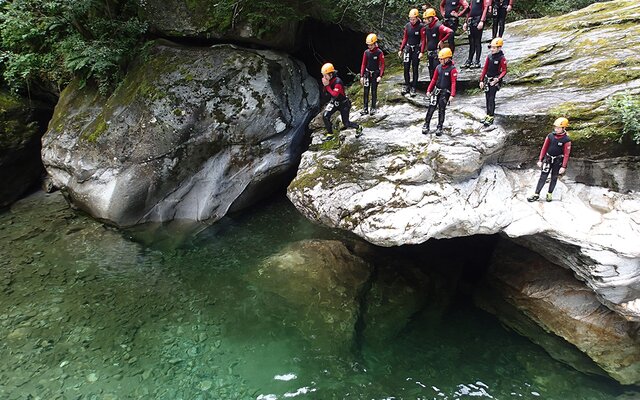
x,y
90,312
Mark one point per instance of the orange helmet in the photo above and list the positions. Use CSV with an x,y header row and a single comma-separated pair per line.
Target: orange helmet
x,y
372,38
429,12
327,68
498,42
445,53
561,122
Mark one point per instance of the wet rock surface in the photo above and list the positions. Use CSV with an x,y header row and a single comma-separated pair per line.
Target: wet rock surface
x,y
554,299
189,134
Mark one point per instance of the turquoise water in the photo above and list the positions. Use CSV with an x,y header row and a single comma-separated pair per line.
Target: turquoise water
x,y
177,312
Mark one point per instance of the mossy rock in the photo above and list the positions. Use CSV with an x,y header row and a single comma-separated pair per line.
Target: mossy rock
x,y
569,66
178,113
272,27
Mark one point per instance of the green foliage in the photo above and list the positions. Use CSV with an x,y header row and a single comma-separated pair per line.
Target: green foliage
x,y
625,109
266,16
542,8
47,42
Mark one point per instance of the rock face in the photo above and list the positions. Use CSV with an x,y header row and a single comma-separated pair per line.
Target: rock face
x,y
200,19
568,65
324,280
190,133
394,186
20,165
559,303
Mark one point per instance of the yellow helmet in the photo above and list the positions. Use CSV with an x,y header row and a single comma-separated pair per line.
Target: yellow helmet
x,y
414,13
561,122
327,68
445,53
429,12
372,38
498,42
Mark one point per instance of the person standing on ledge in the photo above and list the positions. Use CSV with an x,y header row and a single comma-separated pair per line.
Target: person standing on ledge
x,y
553,158
499,10
495,68
451,11
442,90
478,11
371,72
339,101
437,34
412,49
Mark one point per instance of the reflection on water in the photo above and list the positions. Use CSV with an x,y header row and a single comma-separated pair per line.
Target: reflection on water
x,y
86,312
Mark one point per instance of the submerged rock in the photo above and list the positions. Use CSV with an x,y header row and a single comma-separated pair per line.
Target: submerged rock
x,y
190,134
554,299
323,282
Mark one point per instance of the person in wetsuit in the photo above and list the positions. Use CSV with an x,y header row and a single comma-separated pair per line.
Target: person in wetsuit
x,y
411,50
436,36
495,68
441,91
339,101
499,10
553,157
451,11
371,72
478,11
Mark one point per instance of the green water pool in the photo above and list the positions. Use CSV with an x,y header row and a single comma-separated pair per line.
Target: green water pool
x,y
167,312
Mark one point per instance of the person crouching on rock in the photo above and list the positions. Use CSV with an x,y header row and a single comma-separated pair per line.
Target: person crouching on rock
x,y
339,101
411,50
442,89
371,72
553,158
495,68
437,35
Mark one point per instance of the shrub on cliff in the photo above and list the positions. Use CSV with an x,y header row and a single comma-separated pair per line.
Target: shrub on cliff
x,y
625,109
46,42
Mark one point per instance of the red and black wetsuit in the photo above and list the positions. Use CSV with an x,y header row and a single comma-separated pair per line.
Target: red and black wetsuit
x,y
436,32
372,67
499,11
553,155
413,43
494,67
338,102
477,13
446,8
442,86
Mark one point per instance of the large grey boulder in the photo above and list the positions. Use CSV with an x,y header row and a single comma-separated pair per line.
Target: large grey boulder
x,y
189,134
